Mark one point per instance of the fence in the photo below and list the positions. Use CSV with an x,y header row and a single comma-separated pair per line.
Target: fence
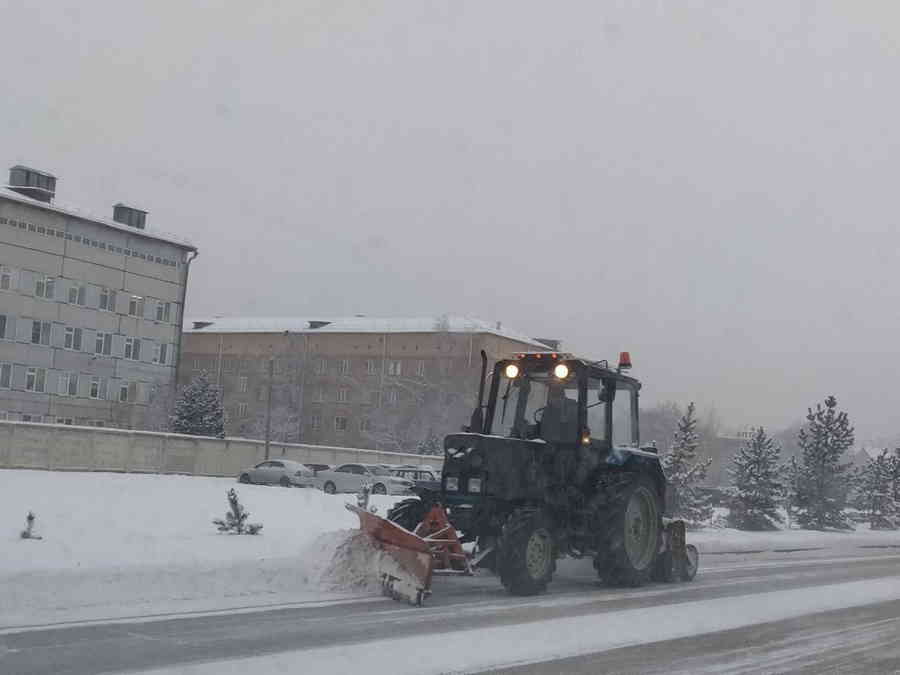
x,y
26,445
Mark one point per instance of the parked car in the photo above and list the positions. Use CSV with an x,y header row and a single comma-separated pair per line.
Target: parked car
x,y
350,478
284,472
424,479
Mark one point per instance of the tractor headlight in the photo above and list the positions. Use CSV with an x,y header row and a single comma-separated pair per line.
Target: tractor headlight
x,y
512,371
561,371
451,484
475,485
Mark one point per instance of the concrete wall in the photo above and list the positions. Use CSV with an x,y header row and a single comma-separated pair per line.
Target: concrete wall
x,y
25,445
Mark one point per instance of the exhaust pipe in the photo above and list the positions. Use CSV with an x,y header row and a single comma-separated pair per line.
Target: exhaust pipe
x,y
476,424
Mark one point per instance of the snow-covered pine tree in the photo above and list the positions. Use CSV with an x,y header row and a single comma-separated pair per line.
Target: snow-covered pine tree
x,y
235,520
431,445
684,470
756,484
198,409
824,481
875,491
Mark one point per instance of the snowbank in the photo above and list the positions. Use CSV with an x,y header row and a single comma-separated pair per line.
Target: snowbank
x,y
728,540
124,544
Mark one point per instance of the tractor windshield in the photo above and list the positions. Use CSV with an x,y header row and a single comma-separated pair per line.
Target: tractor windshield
x,y
536,405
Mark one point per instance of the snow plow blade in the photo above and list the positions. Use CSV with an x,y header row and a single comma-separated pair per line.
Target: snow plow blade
x,y
406,568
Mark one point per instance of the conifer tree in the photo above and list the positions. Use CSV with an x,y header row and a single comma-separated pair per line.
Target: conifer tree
x,y
684,470
875,491
198,409
431,445
824,481
235,521
756,484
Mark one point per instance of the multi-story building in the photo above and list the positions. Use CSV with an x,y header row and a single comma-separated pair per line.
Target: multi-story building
x,y
90,308
363,382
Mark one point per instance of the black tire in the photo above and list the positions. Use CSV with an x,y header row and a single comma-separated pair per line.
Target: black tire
x,y
630,514
408,513
329,488
526,553
285,481
245,478
379,489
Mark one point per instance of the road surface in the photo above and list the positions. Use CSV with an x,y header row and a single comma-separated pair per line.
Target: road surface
x,y
860,639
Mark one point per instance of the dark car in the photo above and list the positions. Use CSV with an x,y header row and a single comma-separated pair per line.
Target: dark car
x,y
423,478
319,467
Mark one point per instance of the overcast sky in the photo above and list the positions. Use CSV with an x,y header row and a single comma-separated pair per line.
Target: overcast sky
x,y
710,185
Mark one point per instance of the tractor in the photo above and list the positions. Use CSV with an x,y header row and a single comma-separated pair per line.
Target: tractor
x,y
550,465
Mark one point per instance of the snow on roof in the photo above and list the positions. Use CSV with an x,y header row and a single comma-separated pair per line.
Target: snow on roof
x,y
150,233
355,324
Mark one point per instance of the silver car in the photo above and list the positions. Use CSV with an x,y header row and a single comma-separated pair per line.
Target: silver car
x,y
351,477
283,472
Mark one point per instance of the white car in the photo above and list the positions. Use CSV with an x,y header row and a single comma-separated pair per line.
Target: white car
x,y
351,477
283,472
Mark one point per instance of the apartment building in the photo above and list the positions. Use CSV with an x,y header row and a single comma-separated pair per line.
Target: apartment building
x,y
384,383
90,308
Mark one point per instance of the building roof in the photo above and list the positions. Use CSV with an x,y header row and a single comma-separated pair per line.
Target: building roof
x,y
355,324
150,232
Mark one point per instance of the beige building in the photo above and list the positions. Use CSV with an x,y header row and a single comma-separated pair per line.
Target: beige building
x,y
379,383
90,308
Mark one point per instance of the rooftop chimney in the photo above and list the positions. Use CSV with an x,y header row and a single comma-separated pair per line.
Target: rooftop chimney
x,y
130,216
32,183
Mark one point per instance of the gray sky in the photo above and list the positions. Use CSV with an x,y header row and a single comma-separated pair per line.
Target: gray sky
x,y
711,185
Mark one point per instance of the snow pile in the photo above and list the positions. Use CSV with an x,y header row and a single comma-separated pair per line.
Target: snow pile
x,y
345,560
127,544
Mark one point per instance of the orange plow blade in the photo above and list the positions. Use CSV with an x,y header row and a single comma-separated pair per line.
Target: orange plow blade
x,y
407,568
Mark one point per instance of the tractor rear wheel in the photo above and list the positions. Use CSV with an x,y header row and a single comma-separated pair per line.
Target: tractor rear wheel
x,y
526,553
408,513
631,517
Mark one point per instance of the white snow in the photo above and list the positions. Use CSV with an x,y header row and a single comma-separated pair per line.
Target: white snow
x,y
495,647
118,545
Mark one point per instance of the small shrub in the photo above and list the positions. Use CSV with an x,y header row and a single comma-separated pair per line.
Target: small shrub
x,y
235,521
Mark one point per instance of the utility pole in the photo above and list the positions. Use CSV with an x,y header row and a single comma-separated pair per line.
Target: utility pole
x,y
269,404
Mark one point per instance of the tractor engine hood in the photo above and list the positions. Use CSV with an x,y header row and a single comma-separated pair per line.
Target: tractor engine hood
x,y
477,465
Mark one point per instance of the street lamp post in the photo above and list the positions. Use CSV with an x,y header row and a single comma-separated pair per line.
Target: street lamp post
x,y
269,405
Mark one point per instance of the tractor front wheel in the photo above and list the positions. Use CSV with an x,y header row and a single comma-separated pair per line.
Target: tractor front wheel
x,y
526,553
408,513
632,530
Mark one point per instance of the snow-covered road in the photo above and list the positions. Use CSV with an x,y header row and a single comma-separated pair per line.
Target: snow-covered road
x,y
472,624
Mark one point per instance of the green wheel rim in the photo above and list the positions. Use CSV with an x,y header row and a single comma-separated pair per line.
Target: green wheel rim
x,y
641,521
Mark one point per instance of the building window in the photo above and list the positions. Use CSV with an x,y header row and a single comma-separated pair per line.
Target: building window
x,y
315,422
321,367
68,384
161,353
136,306
98,387
40,332
103,344
65,420
319,396
343,395
395,368
375,398
123,392
77,294
133,349
393,396
242,410
242,384
340,424
420,368
5,375
44,287
35,379
371,368
163,311
2,326
344,367
5,279
365,424
73,339
107,300
197,364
